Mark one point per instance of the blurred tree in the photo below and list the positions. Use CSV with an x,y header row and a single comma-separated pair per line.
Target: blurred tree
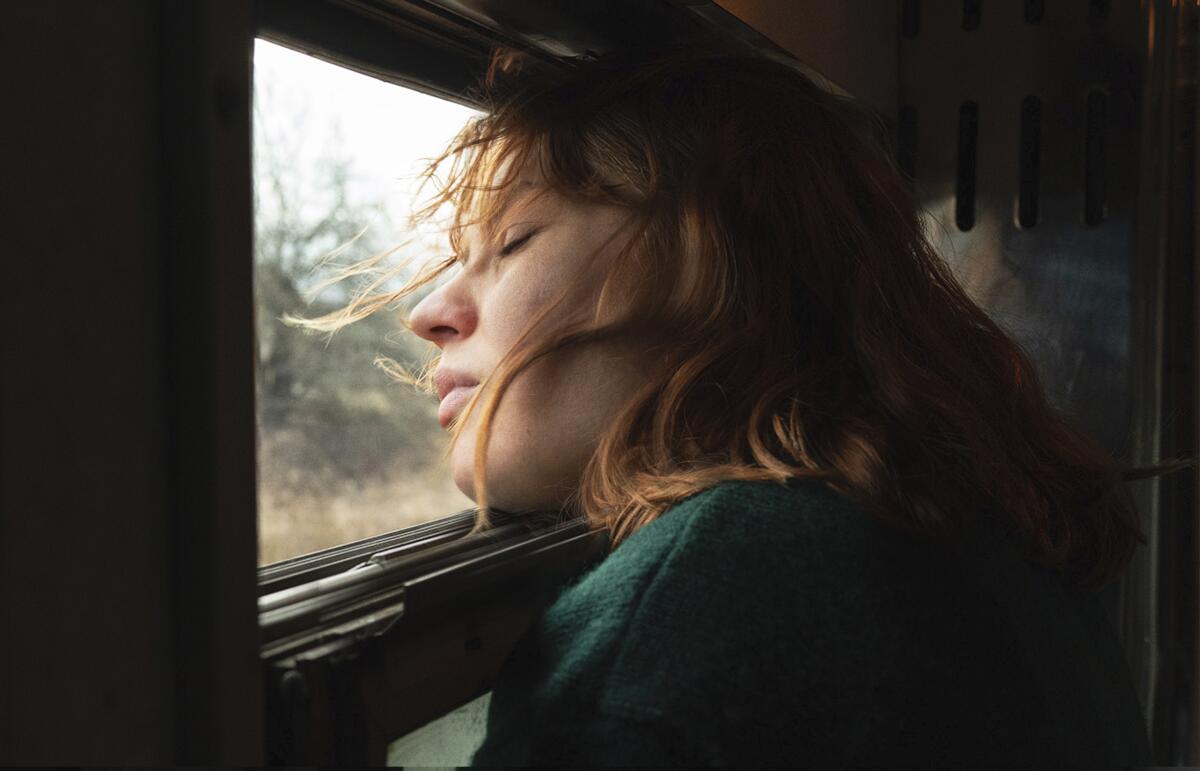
x,y
328,418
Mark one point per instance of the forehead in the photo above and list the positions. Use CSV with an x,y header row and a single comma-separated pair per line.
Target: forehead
x,y
511,180
509,185
486,220
498,203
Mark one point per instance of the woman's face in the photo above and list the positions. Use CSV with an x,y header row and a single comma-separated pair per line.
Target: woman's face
x,y
553,413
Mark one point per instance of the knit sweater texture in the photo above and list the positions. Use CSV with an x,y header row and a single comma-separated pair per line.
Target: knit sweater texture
x,y
764,622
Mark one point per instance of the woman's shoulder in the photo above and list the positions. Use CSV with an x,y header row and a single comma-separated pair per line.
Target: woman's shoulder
x,y
732,535
757,614
795,583
648,636
749,549
749,529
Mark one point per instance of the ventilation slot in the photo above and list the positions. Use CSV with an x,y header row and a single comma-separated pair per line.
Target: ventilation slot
x,y
910,18
964,194
906,141
1031,148
1095,158
971,12
1034,11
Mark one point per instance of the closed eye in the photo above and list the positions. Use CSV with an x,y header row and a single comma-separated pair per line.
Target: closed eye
x,y
512,246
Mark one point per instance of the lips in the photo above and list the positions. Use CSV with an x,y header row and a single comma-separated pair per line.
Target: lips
x,y
453,402
454,390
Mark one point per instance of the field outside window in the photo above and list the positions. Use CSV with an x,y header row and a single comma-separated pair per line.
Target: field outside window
x,y
344,451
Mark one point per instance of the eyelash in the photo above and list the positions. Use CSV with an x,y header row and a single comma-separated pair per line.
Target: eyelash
x,y
512,246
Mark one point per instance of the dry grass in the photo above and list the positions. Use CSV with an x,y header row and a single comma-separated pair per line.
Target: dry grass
x,y
290,524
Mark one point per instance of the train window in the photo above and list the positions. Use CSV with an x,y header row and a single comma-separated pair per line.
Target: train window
x,y
344,452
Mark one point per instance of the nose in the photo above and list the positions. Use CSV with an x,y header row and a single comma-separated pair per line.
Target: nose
x,y
447,313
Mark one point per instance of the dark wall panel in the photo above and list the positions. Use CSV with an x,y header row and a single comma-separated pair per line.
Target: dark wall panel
x,y
127,537
83,676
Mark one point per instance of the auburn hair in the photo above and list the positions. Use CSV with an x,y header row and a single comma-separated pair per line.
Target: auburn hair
x,y
778,268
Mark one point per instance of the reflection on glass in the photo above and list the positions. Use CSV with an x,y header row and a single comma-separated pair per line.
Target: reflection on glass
x,y
344,452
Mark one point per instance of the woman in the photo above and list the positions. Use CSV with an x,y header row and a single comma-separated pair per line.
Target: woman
x,y
695,306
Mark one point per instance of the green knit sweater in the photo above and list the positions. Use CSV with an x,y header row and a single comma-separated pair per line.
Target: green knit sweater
x,y
758,622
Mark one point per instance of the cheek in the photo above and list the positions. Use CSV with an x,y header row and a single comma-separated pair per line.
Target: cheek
x,y
517,300
546,429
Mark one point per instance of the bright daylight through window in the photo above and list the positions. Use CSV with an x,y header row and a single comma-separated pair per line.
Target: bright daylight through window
x,y
344,451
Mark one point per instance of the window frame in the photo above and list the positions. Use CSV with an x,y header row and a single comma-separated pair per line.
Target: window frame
x,y
377,652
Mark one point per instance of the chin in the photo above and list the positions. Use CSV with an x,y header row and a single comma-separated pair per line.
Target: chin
x,y
464,480
520,479
498,496
501,497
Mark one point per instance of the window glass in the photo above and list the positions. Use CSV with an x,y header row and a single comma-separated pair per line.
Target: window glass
x,y
344,451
